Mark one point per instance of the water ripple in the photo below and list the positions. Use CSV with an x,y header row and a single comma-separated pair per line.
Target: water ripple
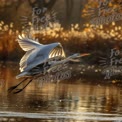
x,y
65,115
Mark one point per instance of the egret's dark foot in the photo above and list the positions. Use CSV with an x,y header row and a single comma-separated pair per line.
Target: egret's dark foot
x,y
12,88
17,91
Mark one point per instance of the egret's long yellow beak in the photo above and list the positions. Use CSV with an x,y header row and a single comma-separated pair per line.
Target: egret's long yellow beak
x,y
85,54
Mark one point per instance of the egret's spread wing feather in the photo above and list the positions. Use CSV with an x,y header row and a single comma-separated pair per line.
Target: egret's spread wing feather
x,y
31,63
58,51
31,59
23,61
28,44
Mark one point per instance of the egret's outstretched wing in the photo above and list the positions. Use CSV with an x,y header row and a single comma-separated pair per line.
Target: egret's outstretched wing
x,y
57,51
28,44
23,61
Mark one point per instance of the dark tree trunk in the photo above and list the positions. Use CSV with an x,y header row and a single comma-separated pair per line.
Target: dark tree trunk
x,y
42,3
69,11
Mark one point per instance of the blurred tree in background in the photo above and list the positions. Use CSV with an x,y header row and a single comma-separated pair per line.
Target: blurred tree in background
x,y
68,11
70,14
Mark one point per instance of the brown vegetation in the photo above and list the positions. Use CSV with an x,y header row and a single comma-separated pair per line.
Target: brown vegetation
x,y
94,39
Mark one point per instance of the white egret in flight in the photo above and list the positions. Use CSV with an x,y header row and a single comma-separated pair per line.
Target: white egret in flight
x,y
37,56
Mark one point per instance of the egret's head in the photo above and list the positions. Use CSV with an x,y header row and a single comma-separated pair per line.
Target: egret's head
x,y
76,57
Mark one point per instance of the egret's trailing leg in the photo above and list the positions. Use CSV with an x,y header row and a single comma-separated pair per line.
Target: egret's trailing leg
x,y
19,90
14,87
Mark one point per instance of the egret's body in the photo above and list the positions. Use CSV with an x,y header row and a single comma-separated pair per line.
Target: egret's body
x,y
37,55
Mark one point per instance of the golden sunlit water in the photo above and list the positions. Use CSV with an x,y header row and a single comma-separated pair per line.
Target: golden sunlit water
x,y
62,102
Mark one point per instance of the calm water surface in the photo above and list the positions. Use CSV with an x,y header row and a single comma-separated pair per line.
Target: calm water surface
x,y
74,101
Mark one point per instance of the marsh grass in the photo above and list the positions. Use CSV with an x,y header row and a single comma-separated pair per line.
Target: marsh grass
x,y
94,39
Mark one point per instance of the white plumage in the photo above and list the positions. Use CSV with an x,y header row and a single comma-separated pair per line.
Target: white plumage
x,y
37,54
